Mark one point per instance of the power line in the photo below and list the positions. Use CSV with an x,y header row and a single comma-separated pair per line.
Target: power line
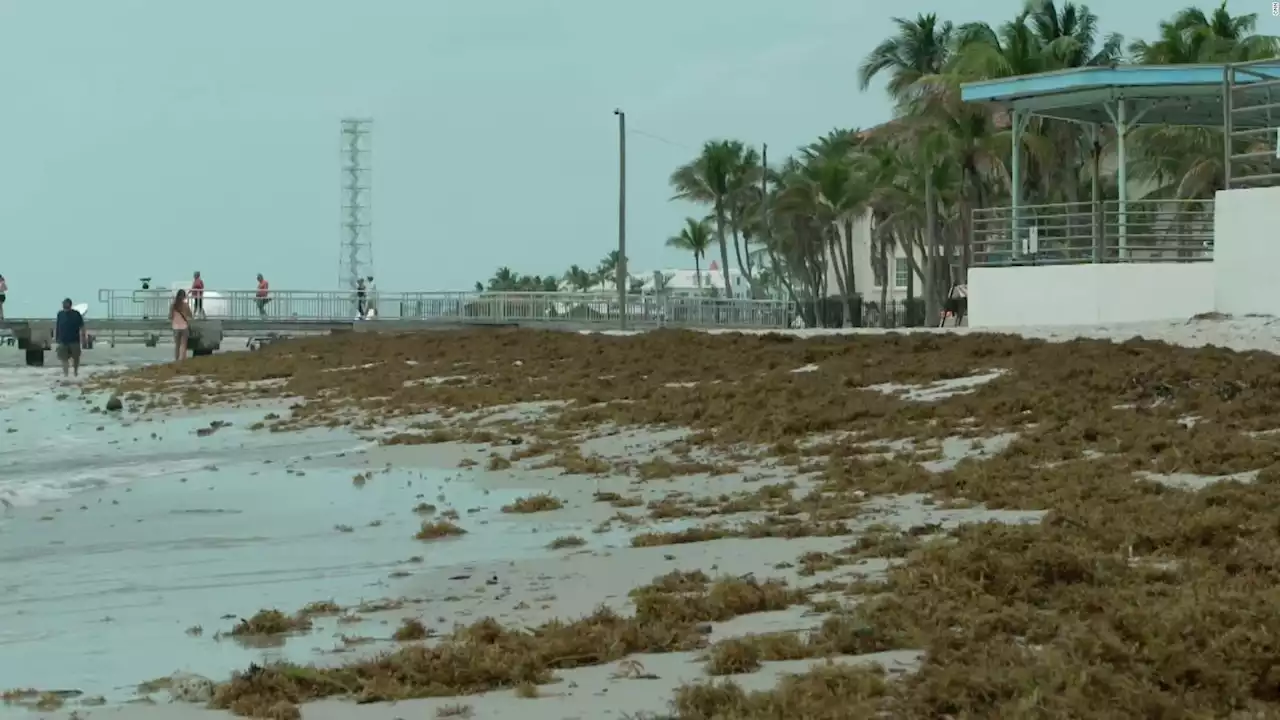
x,y
659,138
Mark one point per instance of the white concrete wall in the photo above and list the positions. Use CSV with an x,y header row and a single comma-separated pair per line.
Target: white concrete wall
x,y
1089,294
864,275
1246,251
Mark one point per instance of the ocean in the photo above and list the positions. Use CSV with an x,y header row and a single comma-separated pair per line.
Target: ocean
x,y
120,536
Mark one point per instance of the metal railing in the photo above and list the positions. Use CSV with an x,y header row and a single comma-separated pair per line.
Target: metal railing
x,y
1251,123
1085,232
499,308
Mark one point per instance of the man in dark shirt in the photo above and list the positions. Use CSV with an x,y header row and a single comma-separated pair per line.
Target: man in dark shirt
x,y
69,335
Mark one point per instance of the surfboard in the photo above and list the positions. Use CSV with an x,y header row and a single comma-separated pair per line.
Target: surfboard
x,y
82,308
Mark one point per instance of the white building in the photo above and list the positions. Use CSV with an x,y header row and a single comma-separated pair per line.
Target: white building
x,y
865,281
683,282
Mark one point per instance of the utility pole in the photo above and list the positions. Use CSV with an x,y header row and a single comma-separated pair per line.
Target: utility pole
x,y
764,195
622,219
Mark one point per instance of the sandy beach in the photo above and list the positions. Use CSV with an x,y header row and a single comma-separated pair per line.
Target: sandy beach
x,y
920,525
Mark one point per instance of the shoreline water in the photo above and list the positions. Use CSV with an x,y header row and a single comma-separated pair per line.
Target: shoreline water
x,y
156,535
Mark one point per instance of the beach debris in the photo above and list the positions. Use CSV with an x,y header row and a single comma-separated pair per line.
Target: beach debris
x,y
43,700
438,529
410,629
190,688
114,404
541,502
270,622
566,541
632,669
320,608
212,428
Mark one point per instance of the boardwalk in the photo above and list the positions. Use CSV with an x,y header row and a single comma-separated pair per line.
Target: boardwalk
x,y
145,312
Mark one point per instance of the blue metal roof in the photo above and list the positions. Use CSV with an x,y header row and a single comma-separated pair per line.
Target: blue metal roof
x,y
1167,94
1120,76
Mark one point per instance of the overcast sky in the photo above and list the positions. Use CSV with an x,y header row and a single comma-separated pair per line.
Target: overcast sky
x,y
157,137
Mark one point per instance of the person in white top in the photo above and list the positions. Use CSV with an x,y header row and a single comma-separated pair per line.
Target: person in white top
x,y
180,319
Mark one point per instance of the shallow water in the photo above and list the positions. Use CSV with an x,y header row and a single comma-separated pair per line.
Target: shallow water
x,y
120,534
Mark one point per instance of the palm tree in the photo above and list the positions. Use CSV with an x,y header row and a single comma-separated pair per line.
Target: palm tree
x,y
503,279
714,178
1187,162
918,177
607,270
1069,36
1193,37
921,48
578,278
694,237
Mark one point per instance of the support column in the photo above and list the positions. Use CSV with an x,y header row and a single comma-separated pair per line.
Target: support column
x,y
1125,117
1095,207
1122,173
1020,118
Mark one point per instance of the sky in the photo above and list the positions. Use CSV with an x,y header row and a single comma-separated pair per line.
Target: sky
x,y
158,137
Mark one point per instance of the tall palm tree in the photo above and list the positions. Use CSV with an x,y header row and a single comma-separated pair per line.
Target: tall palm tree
x,y
1191,36
1069,35
714,178
920,48
695,238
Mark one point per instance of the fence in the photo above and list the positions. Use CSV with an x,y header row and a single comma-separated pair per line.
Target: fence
x,y
1086,232
526,308
1251,123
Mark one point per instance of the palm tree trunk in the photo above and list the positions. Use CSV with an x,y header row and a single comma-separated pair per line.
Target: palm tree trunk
x,y
697,271
931,302
842,284
724,252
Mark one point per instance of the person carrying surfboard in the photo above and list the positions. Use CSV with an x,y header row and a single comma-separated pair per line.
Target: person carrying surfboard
x,y
262,297
69,335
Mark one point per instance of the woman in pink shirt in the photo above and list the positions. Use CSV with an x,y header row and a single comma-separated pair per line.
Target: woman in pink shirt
x,y
180,319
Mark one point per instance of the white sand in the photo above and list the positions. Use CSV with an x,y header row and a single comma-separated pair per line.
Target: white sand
x,y
535,584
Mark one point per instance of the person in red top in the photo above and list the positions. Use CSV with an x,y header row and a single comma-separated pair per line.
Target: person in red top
x,y
197,294
262,298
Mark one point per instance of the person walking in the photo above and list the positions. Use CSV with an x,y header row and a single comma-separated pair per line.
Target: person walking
x,y
4,291
197,295
263,297
371,305
69,336
180,320
360,298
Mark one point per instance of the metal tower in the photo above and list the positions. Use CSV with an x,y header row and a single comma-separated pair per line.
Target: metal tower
x,y
357,201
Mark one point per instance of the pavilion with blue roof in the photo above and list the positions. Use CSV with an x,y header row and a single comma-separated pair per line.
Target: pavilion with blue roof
x,y
1237,97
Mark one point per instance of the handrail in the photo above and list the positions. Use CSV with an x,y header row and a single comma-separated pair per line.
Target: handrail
x,y
526,308
1086,232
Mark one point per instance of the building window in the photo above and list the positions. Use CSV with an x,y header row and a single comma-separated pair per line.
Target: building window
x,y
901,271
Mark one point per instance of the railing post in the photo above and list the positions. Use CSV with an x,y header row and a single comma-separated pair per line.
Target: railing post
x,y
1099,233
